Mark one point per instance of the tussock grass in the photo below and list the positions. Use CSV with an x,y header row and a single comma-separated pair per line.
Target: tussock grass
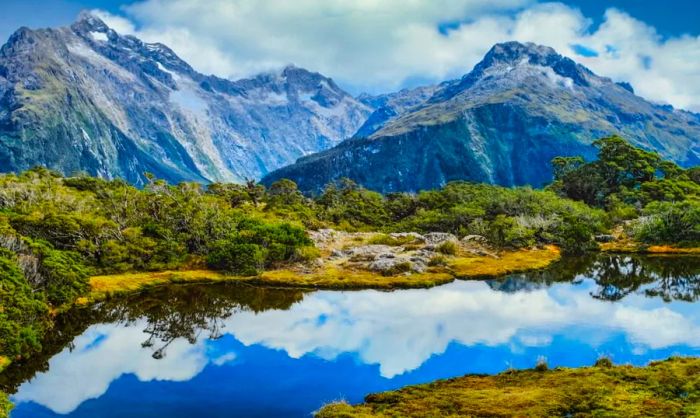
x,y
114,284
669,388
508,262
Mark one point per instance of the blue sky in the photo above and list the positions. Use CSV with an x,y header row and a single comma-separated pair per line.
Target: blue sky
x,y
669,17
382,45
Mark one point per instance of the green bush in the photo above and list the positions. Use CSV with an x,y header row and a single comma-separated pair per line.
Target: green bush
x,y
604,362
307,253
668,223
575,237
236,258
23,317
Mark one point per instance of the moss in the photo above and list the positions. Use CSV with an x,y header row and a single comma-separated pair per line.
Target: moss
x,y
662,389
115,284
384,239
507,263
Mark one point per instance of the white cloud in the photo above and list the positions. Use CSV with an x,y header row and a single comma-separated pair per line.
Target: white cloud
x,y
82,373
382,45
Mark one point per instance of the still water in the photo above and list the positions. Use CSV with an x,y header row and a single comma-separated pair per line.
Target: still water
x,y
241,351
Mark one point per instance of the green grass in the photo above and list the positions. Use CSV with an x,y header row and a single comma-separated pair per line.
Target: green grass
x,y
668,388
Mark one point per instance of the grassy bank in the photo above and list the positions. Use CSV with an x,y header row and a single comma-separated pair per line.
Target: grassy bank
x,y
639,248
668,388
333,276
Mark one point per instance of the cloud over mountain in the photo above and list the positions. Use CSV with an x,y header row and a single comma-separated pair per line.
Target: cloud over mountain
x,y
383,45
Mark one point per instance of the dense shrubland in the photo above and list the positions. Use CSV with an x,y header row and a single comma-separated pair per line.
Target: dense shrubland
x,y
55,232
658,201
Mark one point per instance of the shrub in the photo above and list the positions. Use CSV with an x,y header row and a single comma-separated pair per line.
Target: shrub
x,y
233,257
23,315
604,361
541,365
398,268
575,236
669,223
307,253
63,274
384,239
447,248
437,260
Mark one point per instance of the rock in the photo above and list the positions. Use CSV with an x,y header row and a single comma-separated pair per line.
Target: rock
x,y
437,238
394,265
386,265
385,255
337,254
401,235
480,239
604,238
369,252
324,235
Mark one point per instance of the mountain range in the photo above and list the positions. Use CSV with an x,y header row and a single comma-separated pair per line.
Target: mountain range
x,y
501,123
85,98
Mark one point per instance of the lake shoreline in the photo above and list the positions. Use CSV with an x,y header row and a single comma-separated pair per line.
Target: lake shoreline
x,y
332,276
664,388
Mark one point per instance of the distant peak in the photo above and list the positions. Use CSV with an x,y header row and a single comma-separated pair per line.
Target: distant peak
x,y
89,22
513,52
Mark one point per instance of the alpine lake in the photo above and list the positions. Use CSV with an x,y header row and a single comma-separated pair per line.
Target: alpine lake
x,y
225,350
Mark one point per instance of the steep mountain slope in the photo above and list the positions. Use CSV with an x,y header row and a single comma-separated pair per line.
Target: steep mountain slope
x,y
85,98
501,123
388,107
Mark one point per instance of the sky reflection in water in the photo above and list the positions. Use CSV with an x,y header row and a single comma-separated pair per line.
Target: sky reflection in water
x,y
264,360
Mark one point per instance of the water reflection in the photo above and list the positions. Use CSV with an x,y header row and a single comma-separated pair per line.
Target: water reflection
x,y
193,333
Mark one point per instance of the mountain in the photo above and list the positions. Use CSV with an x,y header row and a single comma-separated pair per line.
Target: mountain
x,y
389,106
85,98
502,123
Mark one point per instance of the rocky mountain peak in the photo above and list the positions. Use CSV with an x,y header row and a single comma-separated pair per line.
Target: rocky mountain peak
x,y
513,63
514,54
89,22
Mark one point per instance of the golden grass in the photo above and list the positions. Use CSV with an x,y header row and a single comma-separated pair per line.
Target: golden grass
x,y
336,277
113,284
331,275
507,263
634,247
663,389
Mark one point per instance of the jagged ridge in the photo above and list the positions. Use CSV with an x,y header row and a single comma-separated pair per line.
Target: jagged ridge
x,y
501,123
85,98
